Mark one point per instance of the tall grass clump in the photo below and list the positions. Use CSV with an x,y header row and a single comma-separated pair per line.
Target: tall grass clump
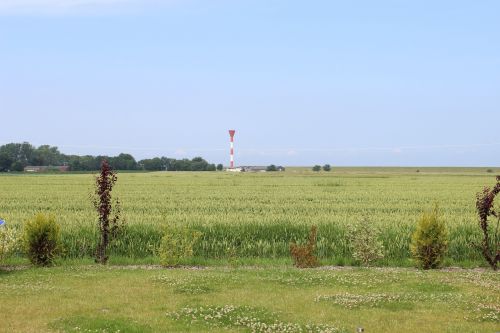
x,y
42,239
429,242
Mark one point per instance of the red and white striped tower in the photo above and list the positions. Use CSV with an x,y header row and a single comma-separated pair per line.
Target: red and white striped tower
x,y
231,159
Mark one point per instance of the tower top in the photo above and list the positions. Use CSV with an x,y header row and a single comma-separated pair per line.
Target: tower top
x,y
231,132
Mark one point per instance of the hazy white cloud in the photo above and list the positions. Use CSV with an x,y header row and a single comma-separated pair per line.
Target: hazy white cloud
x,y
17,7
180,152
397,150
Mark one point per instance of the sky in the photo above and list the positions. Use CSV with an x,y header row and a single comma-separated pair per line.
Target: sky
x,y
349,83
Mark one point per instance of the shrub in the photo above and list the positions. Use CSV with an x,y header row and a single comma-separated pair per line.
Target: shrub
x,y
110,223
327,167
429,242
364,241
316,168
490,245
303,255
177,244
42,239
9,241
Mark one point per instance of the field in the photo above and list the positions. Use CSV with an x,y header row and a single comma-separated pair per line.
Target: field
x,y
241,278
257,215
221,299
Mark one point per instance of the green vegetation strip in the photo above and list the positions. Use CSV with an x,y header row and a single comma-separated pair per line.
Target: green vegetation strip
x,y
247,299
257,215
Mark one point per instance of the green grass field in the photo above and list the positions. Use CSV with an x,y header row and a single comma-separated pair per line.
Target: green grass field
x,y
257,215
222,299
241,277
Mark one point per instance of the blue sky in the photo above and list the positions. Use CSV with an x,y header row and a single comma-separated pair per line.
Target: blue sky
x,y
303,82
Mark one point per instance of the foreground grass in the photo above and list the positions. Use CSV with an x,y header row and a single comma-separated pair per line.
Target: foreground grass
x,y
151,299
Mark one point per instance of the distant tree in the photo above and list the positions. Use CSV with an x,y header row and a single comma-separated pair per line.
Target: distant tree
x,y
15,156
20,155
180,165
167,163
17,166
74,163
327,167
26,153
46,155
198,164
89,163
316,168
220,167
154,164
5,162
271,167
123,162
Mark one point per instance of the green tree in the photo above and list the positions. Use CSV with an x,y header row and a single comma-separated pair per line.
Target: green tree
x,y
5,162
327,167
198,164
19,154
316,168
123,162
47,155
220,167
271,167
167,163
17,166
74,163
153,164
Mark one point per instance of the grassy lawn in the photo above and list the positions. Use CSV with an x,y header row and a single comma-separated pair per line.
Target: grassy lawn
x,y
87,298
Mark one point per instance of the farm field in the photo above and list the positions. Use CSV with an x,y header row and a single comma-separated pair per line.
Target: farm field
x,y
256,215
222,299
241,277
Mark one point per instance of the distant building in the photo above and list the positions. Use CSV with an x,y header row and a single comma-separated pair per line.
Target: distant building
x,y
254,168
248,168
237,169
46,168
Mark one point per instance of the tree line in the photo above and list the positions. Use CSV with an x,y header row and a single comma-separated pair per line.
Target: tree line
x,y
16,156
